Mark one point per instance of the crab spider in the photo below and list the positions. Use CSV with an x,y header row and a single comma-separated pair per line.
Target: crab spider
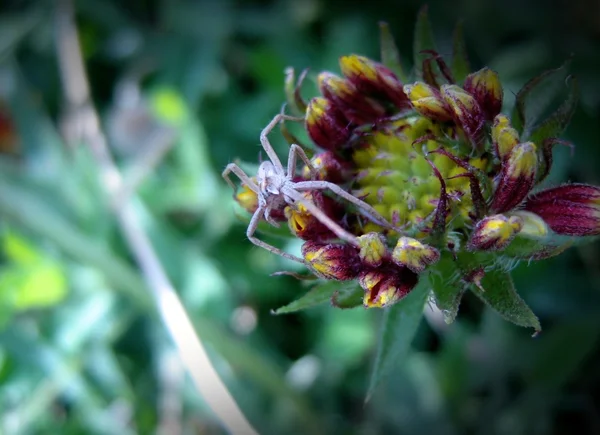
x,y
275,189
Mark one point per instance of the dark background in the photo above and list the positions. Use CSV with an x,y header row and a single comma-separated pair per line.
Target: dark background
x,y
79,350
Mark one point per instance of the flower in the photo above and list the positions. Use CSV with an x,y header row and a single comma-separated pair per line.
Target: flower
x,y
485,87
517,177
572,209
414,255
428,101
386,285
326,124
452,175
332,260
344,95
374,80
495,232
467,113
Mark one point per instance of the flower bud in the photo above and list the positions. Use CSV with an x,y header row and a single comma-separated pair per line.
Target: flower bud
x,y
494,233
517,178
414,255
372,249
428,101
326,125
532,224
386,285
355,106
466,111
532,242
504,137
307,227
572,209
328,167
332,261
485,86
374,80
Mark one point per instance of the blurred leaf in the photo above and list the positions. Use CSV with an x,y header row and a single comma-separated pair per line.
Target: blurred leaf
x,y
423,40
259,369
554,125
447,286
30,280
168,106
15,27
398,327
460,61
18,250
534,99
41,286
561,351
390,56
500,294
23,207
319,294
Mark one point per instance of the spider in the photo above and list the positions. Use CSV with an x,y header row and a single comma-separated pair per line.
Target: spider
x,y
275,188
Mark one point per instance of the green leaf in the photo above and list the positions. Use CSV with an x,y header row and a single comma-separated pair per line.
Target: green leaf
x,y
261,370
423,40
399,325
348,297
41,286
390,56
500,294
18,250
555,124
460,62
535,98
318,295
447,286
560,352
525,247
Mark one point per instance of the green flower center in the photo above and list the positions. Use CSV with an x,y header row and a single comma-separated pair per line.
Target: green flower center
x,y
394,176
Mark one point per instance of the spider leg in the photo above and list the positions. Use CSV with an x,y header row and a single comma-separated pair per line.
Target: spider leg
x,y
297,151
232,167
321,216
264,140
252,229
366,209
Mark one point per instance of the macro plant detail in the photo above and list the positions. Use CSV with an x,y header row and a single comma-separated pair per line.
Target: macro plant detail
x,y
458,179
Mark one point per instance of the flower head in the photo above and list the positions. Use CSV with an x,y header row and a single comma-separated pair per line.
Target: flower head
x,y
452,176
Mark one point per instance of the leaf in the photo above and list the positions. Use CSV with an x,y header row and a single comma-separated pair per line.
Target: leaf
x,y
460,62
318,295
348,297
254,365
561,351
447,286
534,99
399,325
41,286
390,56
525,247
18,250
555,124
500,294
423,40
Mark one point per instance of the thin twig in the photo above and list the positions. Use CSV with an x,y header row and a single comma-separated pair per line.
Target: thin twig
x,y
84,124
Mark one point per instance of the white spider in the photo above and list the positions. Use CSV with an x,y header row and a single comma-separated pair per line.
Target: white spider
x,y
275,188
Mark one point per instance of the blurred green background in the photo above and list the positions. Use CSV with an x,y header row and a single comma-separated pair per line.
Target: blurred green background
x,y
82,349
